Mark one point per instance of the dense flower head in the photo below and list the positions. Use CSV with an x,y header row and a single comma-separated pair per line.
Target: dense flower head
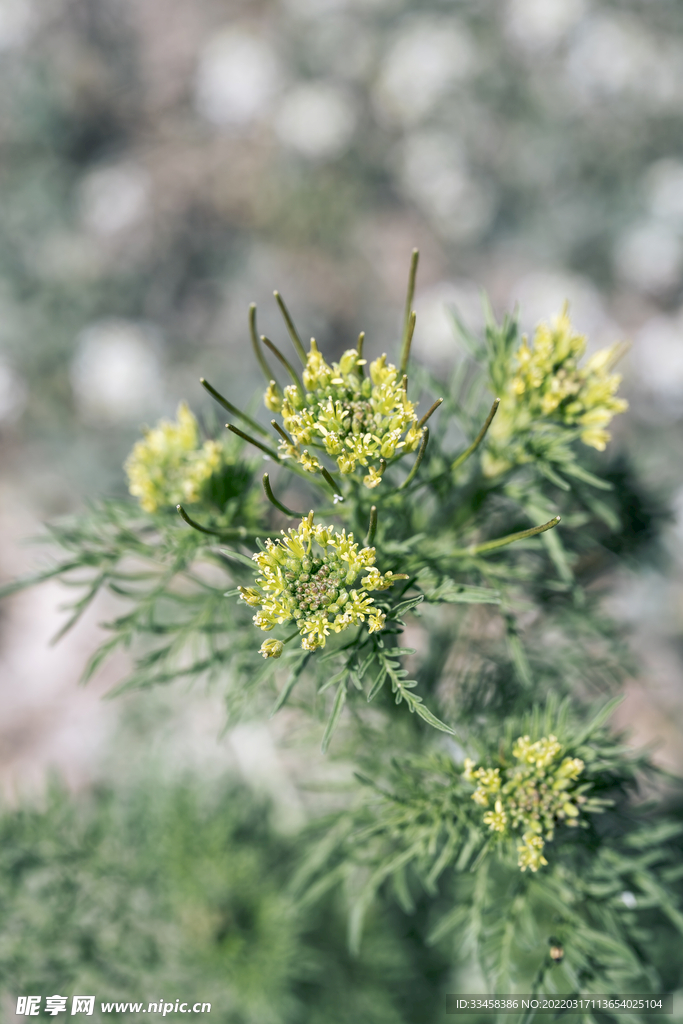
x,y
308,576
547,383
170,465
530,797
356,420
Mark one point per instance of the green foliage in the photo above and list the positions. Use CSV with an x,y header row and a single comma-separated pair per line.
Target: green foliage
x,y
418,834
160,893
508,644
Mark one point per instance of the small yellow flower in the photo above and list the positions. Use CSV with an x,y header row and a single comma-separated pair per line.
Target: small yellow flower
x,y
271,648
531,853
272,398
496,819
307,577
547,383
530,797
373,478
170,465
357,420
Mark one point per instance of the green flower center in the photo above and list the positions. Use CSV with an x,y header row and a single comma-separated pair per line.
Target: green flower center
x,y
315,585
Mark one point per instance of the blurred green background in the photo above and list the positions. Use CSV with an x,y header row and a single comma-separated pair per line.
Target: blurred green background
x,y
164,163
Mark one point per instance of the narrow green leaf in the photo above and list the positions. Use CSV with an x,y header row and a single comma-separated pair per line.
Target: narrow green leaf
x,y
290,684
549,473
574,469
419,708
519,659
100,656
405,606
339,701
448,923
603,714
462,593
335,679
378,683
237,556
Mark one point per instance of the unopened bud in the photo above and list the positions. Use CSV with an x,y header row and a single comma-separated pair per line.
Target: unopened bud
x,y
271,648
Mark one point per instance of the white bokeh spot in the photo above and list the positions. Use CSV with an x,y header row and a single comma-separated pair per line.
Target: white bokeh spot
x,y
116,373
114,198
542,24
434,175
317,119
236,78
426,59
649,256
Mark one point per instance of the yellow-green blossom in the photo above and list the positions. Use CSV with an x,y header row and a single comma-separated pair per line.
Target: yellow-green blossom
x,y
170,465
530,852
356,420
308,576
271,648
546,384
531,796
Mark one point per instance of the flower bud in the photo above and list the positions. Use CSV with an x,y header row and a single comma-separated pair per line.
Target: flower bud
x,y
271,648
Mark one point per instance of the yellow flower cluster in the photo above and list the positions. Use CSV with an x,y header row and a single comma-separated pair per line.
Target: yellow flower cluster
x,y
356,420
306,577
169,465
548,383
531,796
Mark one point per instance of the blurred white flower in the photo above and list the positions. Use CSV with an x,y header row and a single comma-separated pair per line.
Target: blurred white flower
x,y
116,372
322,8
114,198
13,394
649,256
317,119
435,340
433,173
657,358
542,24
664,191
541,295
236,78
16,20
616,55
426,59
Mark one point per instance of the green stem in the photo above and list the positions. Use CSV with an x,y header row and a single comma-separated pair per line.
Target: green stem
x,y
285,362
418,460
359,349
252,440
372,528
430,412
409,316
479,438
283,433
327,477
278,504
491,545
232,409
293,333
407,341
239,533
257,348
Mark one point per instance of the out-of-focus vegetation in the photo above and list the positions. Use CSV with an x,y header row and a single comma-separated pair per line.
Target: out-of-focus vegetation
x,y
161,893
164,164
